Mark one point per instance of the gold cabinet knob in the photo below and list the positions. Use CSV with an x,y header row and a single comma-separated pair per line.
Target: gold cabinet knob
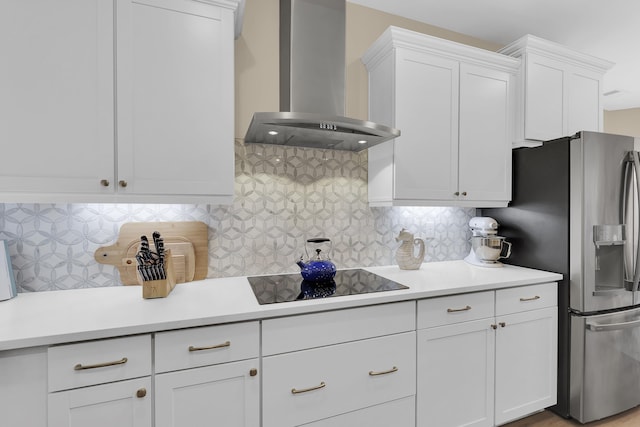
x,y
464,193
457,193
141,392
253,372
122,183
104,182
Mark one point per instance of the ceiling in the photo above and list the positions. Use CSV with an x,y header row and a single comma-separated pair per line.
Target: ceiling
x,y
607,29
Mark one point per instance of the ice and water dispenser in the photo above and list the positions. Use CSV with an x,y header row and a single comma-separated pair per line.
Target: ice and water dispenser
x,y
609,264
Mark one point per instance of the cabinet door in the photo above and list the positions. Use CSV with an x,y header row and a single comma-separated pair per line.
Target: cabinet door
x,y
175,97
426,154
544,98
455,375
122,404
526,363
23,389
56,102
584,101
485,134
222,395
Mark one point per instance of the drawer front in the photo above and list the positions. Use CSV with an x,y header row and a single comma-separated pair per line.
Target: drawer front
x,y
334,327
524,298
399,413
455,309
311,385
190,348
97,362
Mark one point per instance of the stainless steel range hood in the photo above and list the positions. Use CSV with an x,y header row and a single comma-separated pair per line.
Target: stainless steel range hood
x,y
312,84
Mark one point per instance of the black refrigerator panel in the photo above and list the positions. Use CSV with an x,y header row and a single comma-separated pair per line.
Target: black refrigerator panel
x,y
537,225
537,219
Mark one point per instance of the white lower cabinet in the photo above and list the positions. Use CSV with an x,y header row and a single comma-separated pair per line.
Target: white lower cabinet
x,y
100,383
310,385
526,364
478,359
482,370
455,375
226,395
208,376
23,387
201,375
122,404
343,383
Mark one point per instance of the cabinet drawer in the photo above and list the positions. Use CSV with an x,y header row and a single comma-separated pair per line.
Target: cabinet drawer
x,y
97,362
514,300
399,413
454,309
319,329
311,385
190,348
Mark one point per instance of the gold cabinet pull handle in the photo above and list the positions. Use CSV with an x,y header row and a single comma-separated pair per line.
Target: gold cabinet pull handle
x,y
80,366
224,344
454,310
530,299
304,390
390,371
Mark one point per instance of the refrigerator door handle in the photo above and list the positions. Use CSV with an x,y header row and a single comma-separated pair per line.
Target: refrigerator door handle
x,y
599,327
630,194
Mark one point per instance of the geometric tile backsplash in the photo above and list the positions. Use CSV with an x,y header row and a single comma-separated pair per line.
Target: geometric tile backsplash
x,y
282,197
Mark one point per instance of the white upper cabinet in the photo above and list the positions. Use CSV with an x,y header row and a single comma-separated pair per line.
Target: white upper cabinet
x,y
117,101
175,97
485,129
453,105
559,90
56,96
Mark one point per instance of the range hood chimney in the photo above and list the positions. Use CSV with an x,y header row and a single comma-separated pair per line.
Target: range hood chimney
x,y
312,84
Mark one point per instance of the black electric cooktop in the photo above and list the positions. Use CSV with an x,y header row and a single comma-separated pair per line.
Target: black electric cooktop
x,y
291,287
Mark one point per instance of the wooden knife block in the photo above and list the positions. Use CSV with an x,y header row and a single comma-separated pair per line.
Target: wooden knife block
x,y
160,288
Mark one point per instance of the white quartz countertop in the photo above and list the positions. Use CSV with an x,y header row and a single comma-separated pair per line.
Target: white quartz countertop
x,y
45,318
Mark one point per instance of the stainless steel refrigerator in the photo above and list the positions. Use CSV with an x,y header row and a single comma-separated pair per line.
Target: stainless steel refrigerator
x,y
575,212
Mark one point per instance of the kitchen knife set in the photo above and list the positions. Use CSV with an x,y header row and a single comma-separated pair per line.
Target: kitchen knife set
x,y
151,265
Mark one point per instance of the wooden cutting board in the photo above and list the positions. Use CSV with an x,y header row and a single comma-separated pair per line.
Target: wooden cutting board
x,y
188,241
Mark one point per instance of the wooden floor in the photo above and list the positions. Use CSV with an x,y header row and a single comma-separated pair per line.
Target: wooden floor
x,y
630,418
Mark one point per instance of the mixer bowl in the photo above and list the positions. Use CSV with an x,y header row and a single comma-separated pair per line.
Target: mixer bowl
x,y
489,249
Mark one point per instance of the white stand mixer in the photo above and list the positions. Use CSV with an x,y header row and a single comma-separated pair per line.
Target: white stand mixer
x,y
486,245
